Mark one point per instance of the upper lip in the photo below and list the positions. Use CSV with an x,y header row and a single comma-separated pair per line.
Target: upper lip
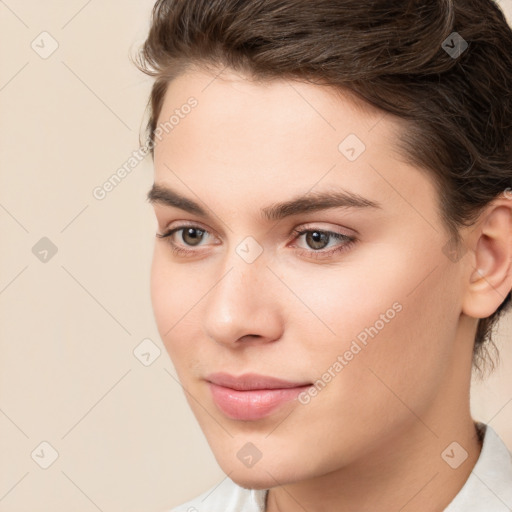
x,y
250,381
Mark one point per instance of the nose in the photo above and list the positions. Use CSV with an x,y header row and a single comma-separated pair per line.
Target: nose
x,y
243,306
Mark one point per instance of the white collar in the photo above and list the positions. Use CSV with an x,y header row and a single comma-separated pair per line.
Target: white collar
x,y
489,486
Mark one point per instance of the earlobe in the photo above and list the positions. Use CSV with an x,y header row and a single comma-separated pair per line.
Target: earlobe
x,y
490,276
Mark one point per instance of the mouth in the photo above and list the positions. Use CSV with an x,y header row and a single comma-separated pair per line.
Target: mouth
x,y
252,397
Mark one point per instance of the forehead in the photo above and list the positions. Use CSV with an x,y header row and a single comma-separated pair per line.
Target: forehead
x,y
266,140
238,119
226,95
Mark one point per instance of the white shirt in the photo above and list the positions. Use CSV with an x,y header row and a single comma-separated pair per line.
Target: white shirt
x,y
488,488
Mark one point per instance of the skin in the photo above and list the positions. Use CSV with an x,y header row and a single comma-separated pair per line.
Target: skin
x,y
372,438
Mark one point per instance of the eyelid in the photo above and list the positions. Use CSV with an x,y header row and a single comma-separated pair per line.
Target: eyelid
x,y
314,226
164,212
178,225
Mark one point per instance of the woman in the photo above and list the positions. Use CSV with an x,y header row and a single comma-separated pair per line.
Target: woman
x,y
334,245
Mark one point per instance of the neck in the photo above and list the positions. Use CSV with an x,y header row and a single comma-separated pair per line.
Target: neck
x,y
408,474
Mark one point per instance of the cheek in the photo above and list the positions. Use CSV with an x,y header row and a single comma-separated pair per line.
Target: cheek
x,y
172,296
396,321
160,298
378,291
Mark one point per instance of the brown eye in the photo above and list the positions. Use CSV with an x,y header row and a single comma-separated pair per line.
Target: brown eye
x,y
192,236
317,239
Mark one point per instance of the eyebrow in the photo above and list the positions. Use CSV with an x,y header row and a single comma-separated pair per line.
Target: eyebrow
x,y
310,202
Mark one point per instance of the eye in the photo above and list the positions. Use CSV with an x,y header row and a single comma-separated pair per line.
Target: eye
x,y
191,236
318,239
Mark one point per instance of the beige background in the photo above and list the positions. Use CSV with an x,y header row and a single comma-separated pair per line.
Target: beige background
x,y
125,437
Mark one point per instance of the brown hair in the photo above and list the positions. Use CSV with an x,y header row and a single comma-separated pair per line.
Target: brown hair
x,y
400,57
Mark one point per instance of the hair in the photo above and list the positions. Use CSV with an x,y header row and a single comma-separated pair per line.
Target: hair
x,y
457,108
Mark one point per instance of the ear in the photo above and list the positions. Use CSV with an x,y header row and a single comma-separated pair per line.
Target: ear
x,y
490,275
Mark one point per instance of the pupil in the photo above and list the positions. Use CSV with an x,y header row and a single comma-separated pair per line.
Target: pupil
x,y
315,237
194,234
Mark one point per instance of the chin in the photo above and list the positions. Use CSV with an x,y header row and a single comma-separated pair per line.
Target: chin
x,y
263,476
256,482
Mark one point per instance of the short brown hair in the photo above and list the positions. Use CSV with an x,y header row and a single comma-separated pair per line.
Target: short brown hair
x,y
394,55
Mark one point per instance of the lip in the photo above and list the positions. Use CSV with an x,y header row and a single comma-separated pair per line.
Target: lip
x,y
250,397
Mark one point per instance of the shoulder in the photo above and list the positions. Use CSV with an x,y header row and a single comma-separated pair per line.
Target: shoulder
x,y
226,497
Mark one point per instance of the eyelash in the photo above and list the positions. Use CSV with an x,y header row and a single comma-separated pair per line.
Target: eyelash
x,y
349,241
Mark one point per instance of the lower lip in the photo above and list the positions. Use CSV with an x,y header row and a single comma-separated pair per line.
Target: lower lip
x,y
254,404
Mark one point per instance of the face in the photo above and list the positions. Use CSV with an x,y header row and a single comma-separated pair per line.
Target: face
x,y
351,300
